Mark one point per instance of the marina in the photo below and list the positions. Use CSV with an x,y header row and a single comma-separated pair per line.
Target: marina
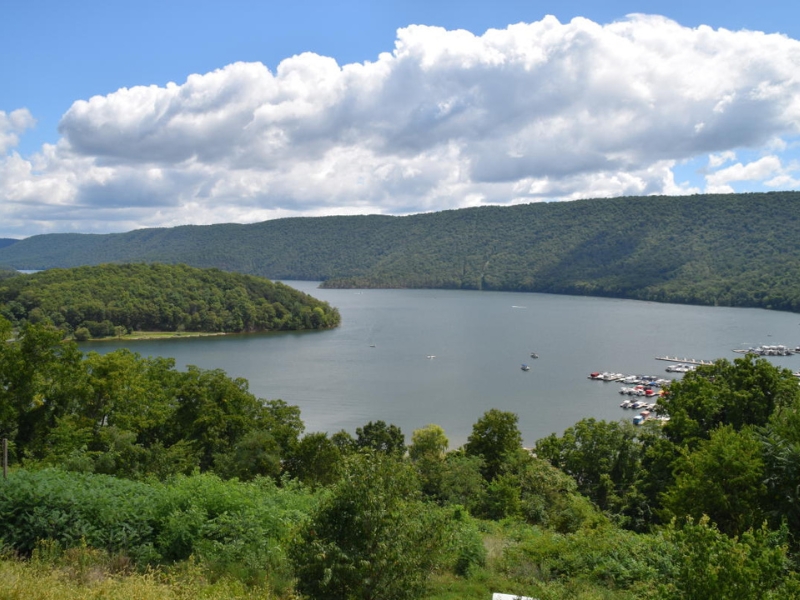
x,y
647,380
772,350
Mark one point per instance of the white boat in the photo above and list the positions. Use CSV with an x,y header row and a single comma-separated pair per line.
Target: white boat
x,y
525,367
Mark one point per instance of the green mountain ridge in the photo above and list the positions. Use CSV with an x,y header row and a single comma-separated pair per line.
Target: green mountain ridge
x,y
728,249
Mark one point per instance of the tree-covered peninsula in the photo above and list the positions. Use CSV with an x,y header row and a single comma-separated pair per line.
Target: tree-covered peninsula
x,y
114,299
722,249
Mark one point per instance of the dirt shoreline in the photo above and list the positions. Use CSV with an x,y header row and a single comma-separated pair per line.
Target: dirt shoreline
x,y
158,335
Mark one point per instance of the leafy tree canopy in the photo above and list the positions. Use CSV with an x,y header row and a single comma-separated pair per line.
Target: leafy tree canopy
x,y
496,439
380,437
745,392
372,538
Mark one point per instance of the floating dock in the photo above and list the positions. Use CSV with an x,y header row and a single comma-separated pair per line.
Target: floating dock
x,y
686,361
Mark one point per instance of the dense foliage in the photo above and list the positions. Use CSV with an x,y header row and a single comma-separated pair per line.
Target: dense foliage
x,y
6,272
107,300
122,414
732,249
228,524
123,460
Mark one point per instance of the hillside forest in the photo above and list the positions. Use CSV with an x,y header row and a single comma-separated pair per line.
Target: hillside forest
x,y
726,249
112,300
129,478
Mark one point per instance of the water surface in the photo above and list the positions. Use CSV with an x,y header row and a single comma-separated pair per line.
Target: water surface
x,y
375,365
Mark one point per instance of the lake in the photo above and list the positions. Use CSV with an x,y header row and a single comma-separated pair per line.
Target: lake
x,y
376,365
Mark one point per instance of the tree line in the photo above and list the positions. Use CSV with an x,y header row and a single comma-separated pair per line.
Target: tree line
x,y
114,299
126,456
726,249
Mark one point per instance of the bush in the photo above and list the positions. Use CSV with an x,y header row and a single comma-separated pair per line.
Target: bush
x,y
238,529
372,537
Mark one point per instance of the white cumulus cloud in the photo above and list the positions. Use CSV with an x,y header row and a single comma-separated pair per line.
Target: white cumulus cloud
x,y
717,160
767,167
12,125
535,111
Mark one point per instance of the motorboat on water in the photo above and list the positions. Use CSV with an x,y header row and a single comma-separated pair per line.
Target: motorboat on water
x,y
525,367
534,355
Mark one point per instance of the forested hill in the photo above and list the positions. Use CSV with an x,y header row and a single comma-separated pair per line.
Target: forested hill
x,y
104,300
7,242
737,249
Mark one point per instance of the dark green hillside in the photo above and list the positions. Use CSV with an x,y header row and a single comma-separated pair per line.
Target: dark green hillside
x,y
736,249
112,299
7,242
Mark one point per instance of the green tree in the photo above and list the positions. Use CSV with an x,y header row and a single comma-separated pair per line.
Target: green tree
x,y
345,442
496,439
283,422
427,452
380,437
371,537
780,443
130,392
256,453
316,460
213,412
603,457
462,481
428,442
745,392
710,564
550,498
42,380
722,478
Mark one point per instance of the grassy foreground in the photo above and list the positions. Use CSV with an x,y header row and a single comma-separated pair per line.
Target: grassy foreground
x,y
86,574
82,578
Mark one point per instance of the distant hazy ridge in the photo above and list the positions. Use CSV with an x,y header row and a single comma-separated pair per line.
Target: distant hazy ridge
x,y
738,249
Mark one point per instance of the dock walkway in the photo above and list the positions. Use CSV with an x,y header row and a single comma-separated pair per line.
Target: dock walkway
x,y
687,361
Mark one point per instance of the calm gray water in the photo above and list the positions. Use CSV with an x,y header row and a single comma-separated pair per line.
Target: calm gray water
x,y
479,340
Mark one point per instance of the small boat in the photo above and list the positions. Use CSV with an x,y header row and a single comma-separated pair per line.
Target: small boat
x,y
525,367
431,356
534,355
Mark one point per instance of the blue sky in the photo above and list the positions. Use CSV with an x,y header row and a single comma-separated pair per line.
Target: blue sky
x,y
120,115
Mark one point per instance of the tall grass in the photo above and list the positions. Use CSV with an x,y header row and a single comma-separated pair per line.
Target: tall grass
x,y
82,576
